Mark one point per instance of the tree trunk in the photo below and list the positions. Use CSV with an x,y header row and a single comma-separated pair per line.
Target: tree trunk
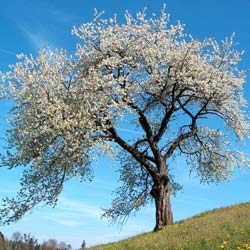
x,y
161,194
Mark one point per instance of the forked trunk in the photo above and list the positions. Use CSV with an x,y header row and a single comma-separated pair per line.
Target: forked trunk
x,y
161,194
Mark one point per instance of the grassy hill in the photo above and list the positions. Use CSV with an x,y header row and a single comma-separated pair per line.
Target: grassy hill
x,y
224,228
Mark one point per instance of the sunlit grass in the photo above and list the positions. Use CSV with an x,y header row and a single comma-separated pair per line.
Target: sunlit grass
x,y
225,228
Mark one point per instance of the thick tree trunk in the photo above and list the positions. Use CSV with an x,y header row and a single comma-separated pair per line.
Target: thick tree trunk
x,y
161,194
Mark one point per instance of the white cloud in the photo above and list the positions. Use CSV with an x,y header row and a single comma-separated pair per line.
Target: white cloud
x,y
36,38
5,51
88,210
65,222
61,16
70,212
102,184
36,35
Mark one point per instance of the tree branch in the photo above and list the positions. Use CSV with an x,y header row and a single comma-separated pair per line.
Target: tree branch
x,y
149,134
180,138
167,116
140,157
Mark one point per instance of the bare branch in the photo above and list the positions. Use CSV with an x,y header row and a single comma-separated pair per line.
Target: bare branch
x,y
177,141
132,150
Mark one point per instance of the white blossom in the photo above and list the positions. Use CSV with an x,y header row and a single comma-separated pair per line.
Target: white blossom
x,y
146,73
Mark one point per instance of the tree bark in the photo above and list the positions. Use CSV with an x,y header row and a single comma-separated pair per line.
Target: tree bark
x,y
161,193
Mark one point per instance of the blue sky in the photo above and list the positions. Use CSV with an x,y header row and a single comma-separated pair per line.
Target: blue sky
x,y
26,26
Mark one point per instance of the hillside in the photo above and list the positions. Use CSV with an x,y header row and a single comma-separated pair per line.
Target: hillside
x,y
224,228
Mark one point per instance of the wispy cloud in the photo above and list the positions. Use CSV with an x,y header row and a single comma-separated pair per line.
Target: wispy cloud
x,y
71,212
102,184
36,35
84,219
90,210
37,39
64,222
5,51
61,16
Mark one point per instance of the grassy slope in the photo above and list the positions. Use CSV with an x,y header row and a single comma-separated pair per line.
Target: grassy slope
x,y
224,228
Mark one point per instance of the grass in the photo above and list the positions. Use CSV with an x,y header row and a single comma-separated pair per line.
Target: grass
x,y
224,228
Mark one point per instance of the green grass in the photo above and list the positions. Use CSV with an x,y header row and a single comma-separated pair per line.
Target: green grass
x,y
224,228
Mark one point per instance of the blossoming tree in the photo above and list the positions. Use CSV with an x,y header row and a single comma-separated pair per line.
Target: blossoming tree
x,y
144,73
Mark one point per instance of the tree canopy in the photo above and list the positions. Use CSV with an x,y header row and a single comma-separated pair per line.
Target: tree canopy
x,y
145,73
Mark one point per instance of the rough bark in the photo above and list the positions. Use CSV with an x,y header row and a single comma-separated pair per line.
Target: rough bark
x,y
161,194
